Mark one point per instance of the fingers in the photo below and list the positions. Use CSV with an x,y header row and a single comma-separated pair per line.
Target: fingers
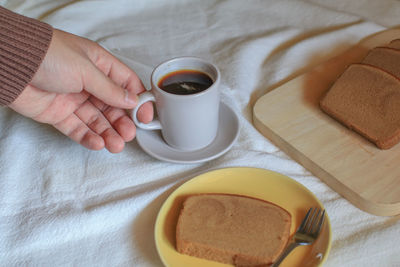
x,y
97,122
120,73
75,72
123,76
89,127
102,87
74,128
114,83
118,118
146,112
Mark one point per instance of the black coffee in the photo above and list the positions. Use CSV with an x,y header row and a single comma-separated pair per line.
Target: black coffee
x,y
185,82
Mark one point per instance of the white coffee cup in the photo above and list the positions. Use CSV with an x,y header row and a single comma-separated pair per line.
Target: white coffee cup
x,y
187,122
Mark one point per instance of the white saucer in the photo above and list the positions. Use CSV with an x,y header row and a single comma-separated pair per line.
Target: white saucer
x,y
228,131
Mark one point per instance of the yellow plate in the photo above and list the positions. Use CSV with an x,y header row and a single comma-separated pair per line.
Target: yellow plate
x,y
255,182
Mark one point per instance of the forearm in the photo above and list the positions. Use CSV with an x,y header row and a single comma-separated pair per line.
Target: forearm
x,y
23,45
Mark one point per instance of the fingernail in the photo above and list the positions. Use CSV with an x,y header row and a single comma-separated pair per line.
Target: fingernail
x,y
131,98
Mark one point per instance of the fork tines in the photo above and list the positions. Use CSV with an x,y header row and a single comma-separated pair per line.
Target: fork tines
x,y
313,221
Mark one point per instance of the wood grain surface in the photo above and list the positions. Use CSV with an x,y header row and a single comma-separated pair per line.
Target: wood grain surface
x,y
290,117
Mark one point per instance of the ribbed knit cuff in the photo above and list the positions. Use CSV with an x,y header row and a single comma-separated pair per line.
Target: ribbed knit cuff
x,y
23,46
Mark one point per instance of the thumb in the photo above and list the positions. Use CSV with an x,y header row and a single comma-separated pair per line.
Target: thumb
x,y
98,84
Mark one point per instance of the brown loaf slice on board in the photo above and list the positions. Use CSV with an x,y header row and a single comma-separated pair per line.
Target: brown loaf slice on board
x,y
394,44
232,229
385,58
366,99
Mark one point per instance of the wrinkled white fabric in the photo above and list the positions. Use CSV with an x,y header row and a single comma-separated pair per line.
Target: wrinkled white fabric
x,y
62,205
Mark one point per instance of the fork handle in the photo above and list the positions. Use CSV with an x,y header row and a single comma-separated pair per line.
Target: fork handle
x,y
286,252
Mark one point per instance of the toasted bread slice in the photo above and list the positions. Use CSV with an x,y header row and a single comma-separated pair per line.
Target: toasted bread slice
x,y
232,229
387,59
394,44
366,99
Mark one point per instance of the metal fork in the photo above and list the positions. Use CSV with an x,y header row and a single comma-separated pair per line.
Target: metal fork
x,y
306,234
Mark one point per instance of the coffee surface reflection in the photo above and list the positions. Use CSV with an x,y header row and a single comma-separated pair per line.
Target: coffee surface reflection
x,y
185,82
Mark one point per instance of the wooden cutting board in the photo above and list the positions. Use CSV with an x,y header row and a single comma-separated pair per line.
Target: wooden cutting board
x,y
352,166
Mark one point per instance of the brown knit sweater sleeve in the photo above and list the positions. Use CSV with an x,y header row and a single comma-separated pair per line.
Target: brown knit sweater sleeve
x,y
23,45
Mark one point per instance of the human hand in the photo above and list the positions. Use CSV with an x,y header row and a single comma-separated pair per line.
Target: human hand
x,y
83,91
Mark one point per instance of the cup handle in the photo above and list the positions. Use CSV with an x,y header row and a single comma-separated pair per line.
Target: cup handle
x,y
153,125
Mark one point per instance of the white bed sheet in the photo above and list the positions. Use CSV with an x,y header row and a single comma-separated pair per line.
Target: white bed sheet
x,y
62,205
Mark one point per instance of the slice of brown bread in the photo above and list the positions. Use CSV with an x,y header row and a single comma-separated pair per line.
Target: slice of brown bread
x,y
394,44
232,229
385,58
367,100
